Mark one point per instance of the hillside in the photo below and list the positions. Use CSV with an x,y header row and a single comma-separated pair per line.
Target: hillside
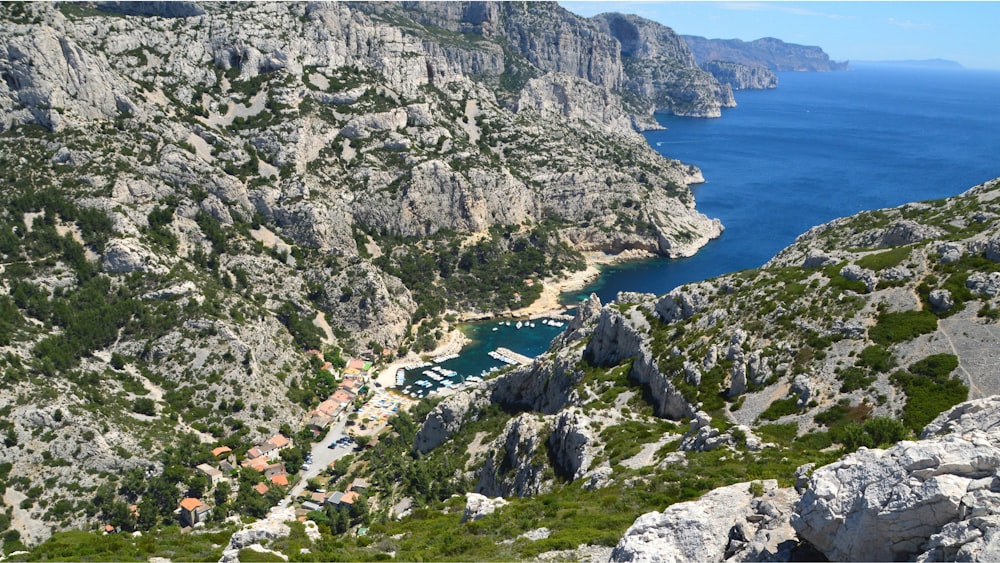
x,y
197,194
858,334
769,52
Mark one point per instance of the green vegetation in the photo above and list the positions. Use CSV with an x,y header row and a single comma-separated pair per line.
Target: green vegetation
x,y
884,260
902,326
489,274
875,433
780,408
168,542
930,389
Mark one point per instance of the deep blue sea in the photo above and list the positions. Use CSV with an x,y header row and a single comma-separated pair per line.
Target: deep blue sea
x,y
820,146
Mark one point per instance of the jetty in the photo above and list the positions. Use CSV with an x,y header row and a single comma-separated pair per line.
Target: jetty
x,y
512,355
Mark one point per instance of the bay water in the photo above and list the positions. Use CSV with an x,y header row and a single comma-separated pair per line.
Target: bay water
x,y
820,146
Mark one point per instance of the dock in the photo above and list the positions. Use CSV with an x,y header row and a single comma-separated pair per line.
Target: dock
x,y
519,358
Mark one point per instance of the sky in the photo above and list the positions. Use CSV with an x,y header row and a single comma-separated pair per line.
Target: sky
x,y
871,31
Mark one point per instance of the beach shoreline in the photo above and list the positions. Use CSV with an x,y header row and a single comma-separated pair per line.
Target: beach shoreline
x,y
547,305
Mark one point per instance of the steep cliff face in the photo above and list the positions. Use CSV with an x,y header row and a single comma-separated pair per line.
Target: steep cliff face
x,y
772,53
195,194
740,76
661,70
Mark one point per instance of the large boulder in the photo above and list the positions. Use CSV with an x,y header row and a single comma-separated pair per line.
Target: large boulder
x,y
478,506
741,522
933,499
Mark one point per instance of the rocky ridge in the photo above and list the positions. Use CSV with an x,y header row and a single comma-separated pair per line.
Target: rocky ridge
x,y
225,187
766,374
769,52
934,499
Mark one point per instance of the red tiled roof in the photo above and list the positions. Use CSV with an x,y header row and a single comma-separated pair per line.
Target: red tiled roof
x,y
278,440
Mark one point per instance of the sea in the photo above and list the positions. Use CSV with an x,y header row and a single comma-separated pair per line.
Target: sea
x,y
820,146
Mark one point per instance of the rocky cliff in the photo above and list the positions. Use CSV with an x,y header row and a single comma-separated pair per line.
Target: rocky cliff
x,y
741,76
853,338
934,499
769,52
196,194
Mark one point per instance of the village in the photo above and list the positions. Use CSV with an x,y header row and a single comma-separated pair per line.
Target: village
x,y
350,419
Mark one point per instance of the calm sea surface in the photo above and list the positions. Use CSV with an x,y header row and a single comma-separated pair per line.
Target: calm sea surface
x,y
820,146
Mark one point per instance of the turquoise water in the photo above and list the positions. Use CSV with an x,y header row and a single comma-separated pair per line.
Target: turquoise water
x,y
821,146
529,341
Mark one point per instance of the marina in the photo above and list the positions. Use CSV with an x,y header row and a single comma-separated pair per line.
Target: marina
x,y
495,345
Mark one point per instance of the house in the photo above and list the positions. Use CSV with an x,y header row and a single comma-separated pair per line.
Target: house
x,y
280,480
358,484
270,448
257,463
357,364
342,396
274,469
318,498
309,505
261,489
221,451
334,498
213,474
193,511
349,498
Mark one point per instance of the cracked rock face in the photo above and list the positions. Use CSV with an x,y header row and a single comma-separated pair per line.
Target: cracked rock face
x,y
933,500
729,523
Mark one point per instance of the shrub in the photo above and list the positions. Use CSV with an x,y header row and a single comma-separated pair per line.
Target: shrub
x,y
876,432
877,358
144,405
902,326
929,388
780,408
854,378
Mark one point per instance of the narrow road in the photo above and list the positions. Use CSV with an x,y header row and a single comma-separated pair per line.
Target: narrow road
x,y
322,456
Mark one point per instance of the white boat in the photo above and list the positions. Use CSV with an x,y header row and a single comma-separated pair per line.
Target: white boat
x,y
494,329
519,324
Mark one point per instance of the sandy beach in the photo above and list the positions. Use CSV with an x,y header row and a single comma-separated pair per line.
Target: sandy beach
x,y
453,343
546,305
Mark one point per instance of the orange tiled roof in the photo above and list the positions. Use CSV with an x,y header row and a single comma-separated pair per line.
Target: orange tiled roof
x,y
221,450
278,440
349,497
280,479
190,504
261,488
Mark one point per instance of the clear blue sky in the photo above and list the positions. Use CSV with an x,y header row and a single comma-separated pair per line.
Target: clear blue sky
x,y
965,32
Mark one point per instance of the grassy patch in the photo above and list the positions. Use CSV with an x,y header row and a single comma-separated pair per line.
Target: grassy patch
x,y
930,389
780,408
884,260
902,326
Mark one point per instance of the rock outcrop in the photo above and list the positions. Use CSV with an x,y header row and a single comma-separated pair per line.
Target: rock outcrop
x,y
742,76
517,464
728,524
935,500
478,506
